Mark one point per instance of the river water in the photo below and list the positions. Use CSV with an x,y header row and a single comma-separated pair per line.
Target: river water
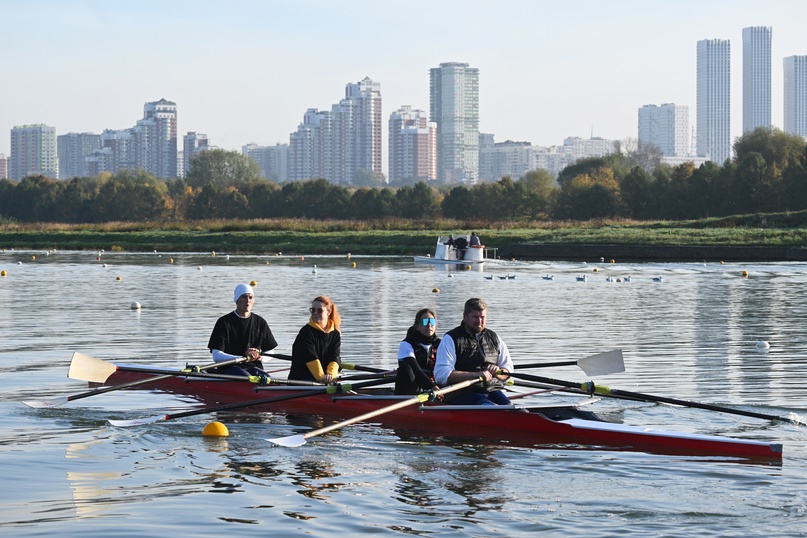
x,y
66,472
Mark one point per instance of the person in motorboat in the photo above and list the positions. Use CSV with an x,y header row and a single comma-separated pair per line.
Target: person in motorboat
x,y
416,355
451,243
241,333
474,242
469,351
316,352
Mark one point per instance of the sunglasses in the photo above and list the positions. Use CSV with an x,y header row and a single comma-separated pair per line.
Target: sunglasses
x,y
428,321
317,310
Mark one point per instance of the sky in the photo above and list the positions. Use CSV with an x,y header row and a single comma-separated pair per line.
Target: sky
x,y
246,71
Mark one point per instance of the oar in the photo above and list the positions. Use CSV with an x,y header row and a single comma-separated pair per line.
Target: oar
x,y
299,439
89,368
345,365
330,389
590,388
607,362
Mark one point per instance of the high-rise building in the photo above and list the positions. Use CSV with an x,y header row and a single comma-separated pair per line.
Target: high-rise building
x,y
356,133
714,99
3,166
666,127
33,152
156,136
72,150
412,145
344,144
756,77
272,160
454,107
122,152
310,147
796,95
192,143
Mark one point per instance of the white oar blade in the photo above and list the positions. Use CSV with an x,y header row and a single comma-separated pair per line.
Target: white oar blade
x,y
87,368
56,402
608,362
137,421
292,441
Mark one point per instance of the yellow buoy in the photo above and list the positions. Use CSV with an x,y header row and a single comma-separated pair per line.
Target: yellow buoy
x,y
745,274
253,283
612,261
170,260
118,278
353,264
215,429
3,273
214,253
436,290
33,257
348,255
722,262
596,270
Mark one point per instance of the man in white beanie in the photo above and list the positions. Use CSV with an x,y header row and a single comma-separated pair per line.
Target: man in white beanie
x,y
241,334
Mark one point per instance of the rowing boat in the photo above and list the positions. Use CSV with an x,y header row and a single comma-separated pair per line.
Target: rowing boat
x,y
528,425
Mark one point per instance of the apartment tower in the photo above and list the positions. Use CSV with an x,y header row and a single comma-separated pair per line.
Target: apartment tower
x,y
714,100
795,120
756,77
454,107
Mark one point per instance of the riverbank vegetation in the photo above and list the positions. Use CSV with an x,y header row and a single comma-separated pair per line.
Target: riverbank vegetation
x,y
628,197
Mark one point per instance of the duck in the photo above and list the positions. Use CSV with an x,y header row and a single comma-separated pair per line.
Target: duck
x,y
658,279
582,278
511,277
486,277
502,277
314,270
626,279
548,277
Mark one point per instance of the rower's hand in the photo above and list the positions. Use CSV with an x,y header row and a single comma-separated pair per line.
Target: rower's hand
x,y
327,379
253,354
438,397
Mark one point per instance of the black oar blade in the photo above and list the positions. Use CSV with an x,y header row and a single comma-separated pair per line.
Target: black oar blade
x,y
608,362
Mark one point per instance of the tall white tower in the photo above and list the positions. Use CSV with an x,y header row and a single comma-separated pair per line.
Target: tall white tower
x,y
796,95
714,99
756,77
454,107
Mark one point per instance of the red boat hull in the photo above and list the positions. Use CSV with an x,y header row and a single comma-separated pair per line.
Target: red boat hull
x,y
522,426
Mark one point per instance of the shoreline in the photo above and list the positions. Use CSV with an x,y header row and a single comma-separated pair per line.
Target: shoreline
x,y
689,253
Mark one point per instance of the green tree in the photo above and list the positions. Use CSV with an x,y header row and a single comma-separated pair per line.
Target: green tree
x,y
222,167
420,201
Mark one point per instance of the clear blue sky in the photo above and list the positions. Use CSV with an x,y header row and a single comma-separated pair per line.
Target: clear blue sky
x,y
246,70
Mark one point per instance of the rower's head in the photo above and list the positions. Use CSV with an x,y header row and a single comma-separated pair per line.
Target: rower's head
x,y
244,297
323,310
474,315
426,321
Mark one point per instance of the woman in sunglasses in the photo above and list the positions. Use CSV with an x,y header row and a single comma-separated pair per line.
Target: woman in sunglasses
x,y
416,355
316,352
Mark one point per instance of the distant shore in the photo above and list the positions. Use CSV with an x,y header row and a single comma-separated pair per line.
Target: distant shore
x,y
528,251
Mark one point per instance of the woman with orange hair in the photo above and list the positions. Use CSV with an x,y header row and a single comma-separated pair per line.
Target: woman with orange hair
x,y
316,352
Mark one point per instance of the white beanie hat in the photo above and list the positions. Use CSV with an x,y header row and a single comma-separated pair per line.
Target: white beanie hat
x,y
240,290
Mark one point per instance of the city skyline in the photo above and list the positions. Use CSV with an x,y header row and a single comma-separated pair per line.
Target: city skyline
x,y
546,73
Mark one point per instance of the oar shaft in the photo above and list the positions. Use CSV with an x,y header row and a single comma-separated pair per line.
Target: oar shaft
x,y
545,364
606,391
102,390
264,401
345,365
421,398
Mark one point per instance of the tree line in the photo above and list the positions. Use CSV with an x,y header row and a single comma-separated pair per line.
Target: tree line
x,y
768,173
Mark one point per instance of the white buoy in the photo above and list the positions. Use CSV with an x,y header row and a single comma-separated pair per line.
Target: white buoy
x,y
314,270
762,344
135,305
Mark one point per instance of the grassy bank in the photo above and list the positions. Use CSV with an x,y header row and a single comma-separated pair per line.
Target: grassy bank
x,y
399,237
